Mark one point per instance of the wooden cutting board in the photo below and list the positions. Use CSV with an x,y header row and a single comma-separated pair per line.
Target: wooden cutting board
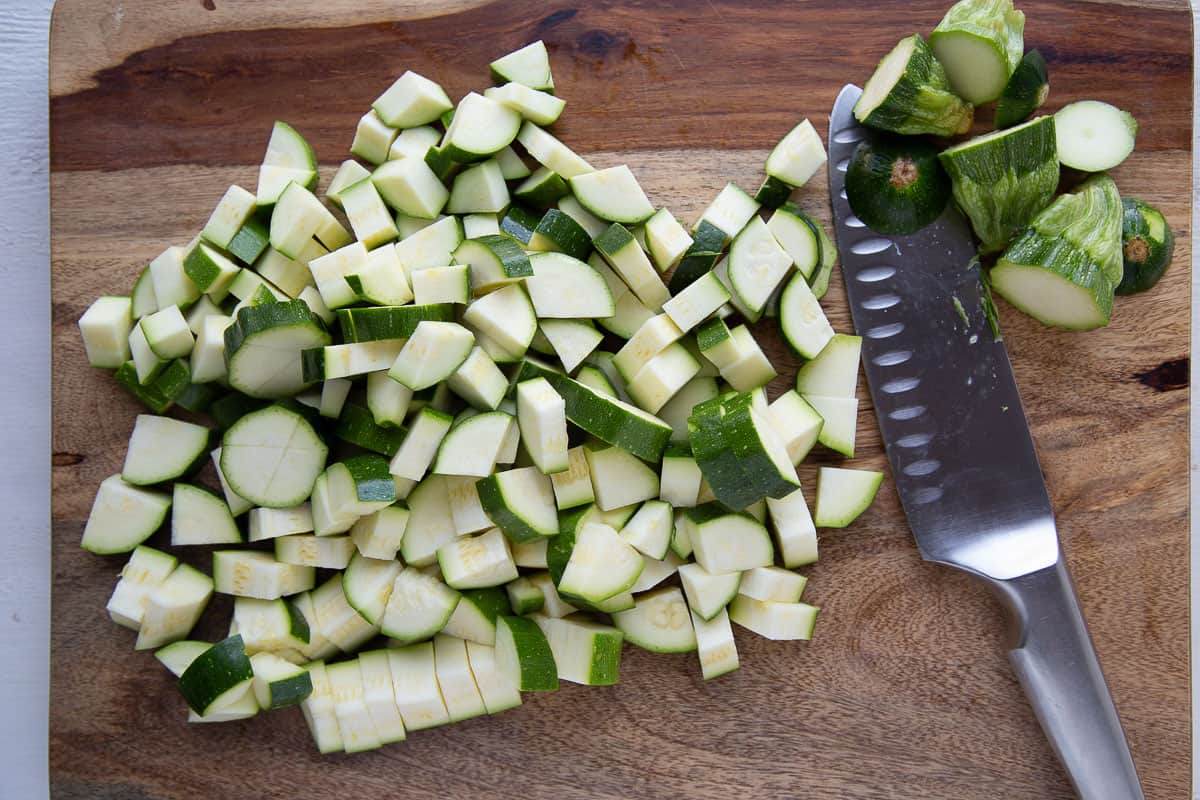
x,y
905,692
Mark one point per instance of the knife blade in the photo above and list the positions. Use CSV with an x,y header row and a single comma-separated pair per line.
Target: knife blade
x,y
948,407
963,459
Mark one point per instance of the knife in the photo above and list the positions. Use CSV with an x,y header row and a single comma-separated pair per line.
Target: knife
x,y
964,463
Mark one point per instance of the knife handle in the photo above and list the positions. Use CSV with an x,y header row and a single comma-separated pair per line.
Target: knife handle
x,y
1053,657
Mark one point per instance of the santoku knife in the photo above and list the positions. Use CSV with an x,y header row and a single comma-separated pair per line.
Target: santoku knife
x,y
964,462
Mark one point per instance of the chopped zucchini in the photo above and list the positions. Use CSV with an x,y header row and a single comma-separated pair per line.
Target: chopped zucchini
x,y
909,93
1147,246
1002,179
897,186
979,42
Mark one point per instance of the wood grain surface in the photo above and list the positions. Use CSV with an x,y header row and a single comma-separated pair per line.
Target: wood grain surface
x,y
905,691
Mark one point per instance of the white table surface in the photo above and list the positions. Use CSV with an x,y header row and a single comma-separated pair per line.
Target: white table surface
x,y
24,401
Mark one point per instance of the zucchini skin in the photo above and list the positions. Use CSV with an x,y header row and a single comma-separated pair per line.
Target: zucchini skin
x,y
1004,179
896,186
1147,246
1090,219
921,100
1026,91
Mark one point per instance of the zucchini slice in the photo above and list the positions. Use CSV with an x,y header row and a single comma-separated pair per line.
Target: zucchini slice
x,y
797,157
270,625
661,377
145,571
621,250
563,287
474,618
540,108
414,679
524,596
613,194
1002,179
796,422
551,153
896,186
658,622
498,693
178,656
521,502
558,231
1064,269
844,494
432,354
573,487
797,234
123,516
379,535
163,449
477,562
272,457
220,673
279,683
772,584
715,645
529,66
649,529
479,189
541,414
523,655
418,607
288,159
572,340
200,517
367,584
1026,91
839,417
450,284
757,264
607,418
619,478
380,696
795,533
264,344
1094,136
774,620
163,389
586,653
802,319
1147,245
389,322
105,329
174,607
413,100
680,480
253,573
318,709
372,138
725,542
505,317
480,128
979,42
909,94
601,565
834,371
309,550
350,707
707,593
431,522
